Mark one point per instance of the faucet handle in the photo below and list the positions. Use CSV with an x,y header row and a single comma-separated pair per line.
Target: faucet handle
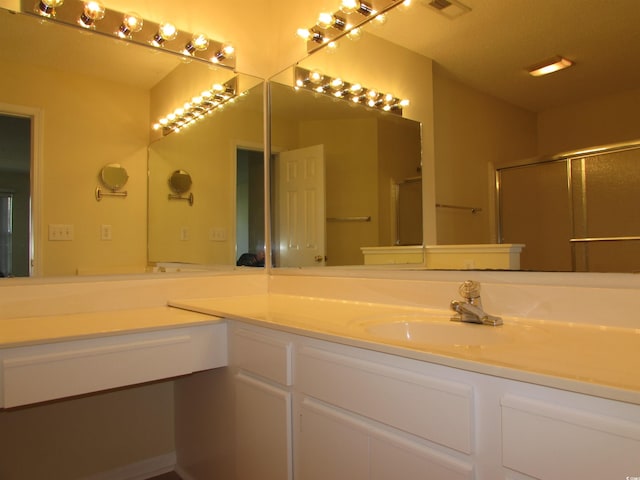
x,y
469,290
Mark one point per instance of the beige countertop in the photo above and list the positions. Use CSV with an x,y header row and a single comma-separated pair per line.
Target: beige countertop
x,y
594,360
16,332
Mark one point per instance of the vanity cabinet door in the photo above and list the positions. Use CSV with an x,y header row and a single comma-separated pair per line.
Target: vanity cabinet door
x,y
330,445
263,426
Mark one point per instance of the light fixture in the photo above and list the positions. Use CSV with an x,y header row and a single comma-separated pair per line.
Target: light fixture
x,y
131,27
166,32
47,8
198,107
131,23
352,15
198,42
354,92
549,66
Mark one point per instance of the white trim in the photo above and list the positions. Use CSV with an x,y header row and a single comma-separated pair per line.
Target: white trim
x,y
140,470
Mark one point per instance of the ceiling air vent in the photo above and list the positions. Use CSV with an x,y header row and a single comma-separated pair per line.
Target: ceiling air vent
x,y
449,8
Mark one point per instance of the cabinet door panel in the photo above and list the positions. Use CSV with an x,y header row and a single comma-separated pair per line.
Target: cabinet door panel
x,y
263,430
395,458
330,447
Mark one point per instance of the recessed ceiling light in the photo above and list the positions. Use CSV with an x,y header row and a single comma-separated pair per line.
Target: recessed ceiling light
x,y
549,66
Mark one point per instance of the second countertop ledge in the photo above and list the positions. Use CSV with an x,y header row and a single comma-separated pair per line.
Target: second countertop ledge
x,y
595,360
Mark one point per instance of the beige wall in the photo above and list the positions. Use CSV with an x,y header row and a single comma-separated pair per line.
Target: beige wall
x,y
74,146
473,133
600,121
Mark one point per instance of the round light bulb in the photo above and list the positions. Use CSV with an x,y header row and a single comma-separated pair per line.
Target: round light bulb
x,y
167,31
304,33
47,8
354,34
131,23
315,77
93,11
325,20
349,6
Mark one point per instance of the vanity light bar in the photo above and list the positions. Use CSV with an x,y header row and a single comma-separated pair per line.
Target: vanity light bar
x,y
352,15
354,92
199,107
92,15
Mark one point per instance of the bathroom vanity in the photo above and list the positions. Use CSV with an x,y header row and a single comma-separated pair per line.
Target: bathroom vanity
x,y
320,394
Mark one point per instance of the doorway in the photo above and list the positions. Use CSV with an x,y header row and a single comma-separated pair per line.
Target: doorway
x,y
15,195
250,236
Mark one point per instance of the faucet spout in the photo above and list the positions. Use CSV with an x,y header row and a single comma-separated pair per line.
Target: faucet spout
x,y
470,310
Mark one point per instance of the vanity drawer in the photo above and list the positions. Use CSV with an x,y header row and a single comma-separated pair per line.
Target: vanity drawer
x,y
434,409
551,441
263,354
50,371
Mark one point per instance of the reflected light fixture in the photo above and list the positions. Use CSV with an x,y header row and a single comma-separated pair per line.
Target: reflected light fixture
x,y
353,92
551,65
131,23
199,107
92,12
166,32
47,8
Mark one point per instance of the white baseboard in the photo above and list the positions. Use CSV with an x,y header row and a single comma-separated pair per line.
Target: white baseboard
x,y
139,470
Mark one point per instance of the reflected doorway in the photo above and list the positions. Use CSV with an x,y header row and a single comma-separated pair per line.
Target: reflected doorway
x,y
250,213
15,195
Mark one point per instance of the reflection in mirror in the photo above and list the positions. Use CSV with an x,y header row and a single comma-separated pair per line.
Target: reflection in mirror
x,y
202,234
466,76
365,155
92,99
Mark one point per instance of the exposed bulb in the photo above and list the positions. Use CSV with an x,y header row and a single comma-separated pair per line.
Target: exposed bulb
x,y
47,8
380,19
131,23
93,11
315,77
227,51
304,33
166,32
354,34
349,6
325,20
198,43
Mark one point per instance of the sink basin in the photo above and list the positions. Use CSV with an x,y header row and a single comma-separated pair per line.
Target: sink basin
x,y
427,331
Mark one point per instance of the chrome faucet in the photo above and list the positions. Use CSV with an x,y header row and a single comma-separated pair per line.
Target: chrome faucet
x,y
470,310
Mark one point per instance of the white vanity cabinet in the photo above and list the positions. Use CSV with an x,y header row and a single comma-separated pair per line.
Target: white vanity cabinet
x,y
262,363
52,370
353,413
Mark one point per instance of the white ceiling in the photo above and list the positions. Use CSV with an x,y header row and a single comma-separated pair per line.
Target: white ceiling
x,y
491,46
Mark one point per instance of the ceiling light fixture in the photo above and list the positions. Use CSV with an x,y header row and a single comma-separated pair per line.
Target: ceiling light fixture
x,y
551,65
198,42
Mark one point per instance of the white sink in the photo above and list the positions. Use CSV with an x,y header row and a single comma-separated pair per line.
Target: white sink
x,y
414,330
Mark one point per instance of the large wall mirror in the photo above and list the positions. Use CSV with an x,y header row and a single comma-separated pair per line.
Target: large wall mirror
x,y
570,138
90,100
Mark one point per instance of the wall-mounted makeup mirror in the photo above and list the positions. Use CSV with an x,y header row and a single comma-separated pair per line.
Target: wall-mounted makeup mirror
x,y
83,92
180,182
114,176
465,72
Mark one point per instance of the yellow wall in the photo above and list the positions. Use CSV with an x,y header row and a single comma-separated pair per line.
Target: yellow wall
x,y
473,131
75,150
600,121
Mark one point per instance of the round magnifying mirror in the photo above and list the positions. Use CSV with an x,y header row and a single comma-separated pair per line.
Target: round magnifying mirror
x,y
180,182
114,176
